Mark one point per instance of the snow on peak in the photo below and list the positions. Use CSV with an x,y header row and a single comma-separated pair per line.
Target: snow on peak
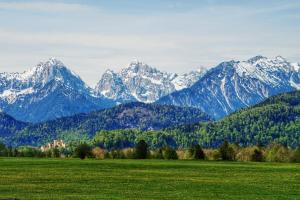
x,y
109,71
17,85
144,83
268,70
137,67
46,71
296,67
256,58
188,79
280,58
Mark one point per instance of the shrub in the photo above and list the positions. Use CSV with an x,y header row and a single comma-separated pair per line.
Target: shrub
x,y
226,151
157,154
196,152
245,154
83,150
257,155
107,155
296,155
170,154
15,152
98,153
277,153
117,154
3,150
212,154
55,153
182,154
141,150
250,154
30,152
128,153
48,154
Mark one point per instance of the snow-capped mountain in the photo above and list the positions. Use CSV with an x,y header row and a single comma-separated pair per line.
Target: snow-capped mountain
x,y
46,91
188,79
140,82
237,84
50,90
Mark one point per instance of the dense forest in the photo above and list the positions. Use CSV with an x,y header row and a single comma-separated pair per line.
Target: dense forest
x,y
275,120
84,126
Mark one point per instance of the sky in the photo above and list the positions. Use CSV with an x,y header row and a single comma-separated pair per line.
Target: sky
x,y
90,36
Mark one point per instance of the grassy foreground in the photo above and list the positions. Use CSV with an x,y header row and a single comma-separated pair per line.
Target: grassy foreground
x,y
29,178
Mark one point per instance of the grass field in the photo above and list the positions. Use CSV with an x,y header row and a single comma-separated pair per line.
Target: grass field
x,y
29,178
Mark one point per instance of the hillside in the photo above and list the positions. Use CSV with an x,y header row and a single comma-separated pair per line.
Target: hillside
x,y
128,116
9,125
276,119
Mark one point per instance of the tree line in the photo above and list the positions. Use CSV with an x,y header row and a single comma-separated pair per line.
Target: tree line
x,y
274,152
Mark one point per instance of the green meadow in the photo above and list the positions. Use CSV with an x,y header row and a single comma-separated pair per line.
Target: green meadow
x,y
33,178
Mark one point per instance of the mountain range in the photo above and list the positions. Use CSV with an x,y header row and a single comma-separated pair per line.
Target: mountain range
x,y
140,82
233,85
50,90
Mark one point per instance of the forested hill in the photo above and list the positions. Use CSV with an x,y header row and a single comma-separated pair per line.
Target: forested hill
x,y
128,116
9,125
275,120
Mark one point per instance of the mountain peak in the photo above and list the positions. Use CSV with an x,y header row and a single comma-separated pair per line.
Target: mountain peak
x,y
280,58
256,58
51,63
135,61
138,65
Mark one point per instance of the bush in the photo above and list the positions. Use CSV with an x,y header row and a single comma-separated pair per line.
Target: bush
x,y
277,153
182,154
211,154
196,152
170,154
226,151
117,154
257,155
98,153
3,150
141,150
48,154
250,154
55,153
296,155
157,154
128,153
30,152
83,150
245,154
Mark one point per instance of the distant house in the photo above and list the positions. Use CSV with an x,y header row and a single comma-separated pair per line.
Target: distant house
x,y
53,145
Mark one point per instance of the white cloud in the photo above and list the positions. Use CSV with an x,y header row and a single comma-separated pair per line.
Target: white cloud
x,y
90,40
44,7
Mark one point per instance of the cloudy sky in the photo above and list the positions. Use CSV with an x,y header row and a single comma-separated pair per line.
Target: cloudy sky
x,y
172,35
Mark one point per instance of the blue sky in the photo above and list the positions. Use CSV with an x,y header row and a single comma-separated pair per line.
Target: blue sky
x,y
175,36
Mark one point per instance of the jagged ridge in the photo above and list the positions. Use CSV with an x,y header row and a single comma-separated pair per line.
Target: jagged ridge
x,y
233,85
